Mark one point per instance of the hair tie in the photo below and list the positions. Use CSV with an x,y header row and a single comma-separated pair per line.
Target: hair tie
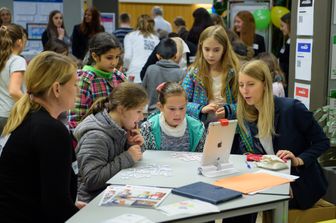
x,y
160,86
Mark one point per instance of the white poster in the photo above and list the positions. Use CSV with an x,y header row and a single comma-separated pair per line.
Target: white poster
x,y
333,58
303,59
334,12
302,93
305,17
108,21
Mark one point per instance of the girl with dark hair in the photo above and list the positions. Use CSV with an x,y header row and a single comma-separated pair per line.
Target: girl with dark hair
x,y
55,29
284,52
83,32
202,20
99,77
108,139
245,28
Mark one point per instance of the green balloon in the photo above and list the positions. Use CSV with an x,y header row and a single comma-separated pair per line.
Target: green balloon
x,y
262,18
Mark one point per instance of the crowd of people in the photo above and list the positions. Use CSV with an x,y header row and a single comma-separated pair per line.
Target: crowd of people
x,y
74,117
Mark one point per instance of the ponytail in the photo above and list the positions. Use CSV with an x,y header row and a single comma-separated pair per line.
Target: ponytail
x,y
18,113
9,34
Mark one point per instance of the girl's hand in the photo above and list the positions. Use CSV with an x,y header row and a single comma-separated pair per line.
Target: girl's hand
x,y
212,107
60,32
80,204
135,152
134,137
220,113
286,155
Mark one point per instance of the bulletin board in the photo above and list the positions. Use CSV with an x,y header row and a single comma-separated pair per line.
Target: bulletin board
x,y
34,13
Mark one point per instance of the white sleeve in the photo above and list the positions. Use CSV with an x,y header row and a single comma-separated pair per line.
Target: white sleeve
x,y
17,64
128,50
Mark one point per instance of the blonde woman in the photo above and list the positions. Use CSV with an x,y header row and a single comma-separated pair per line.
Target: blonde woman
x,y
38,183
139,44
281,126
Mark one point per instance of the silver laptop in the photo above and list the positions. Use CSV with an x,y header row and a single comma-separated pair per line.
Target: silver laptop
x,y
218,142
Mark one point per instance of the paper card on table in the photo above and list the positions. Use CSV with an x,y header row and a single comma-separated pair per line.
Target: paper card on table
x,y
134,196
251,182
189,207
129,218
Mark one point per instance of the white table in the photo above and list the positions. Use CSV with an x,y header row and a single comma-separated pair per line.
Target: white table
x,y
185,172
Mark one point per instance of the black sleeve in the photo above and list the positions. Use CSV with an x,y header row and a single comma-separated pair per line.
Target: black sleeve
x,y
76,42
152,59
44,38
54,149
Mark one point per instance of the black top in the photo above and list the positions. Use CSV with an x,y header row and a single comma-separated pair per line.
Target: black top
x,y
80,42
121,32
284,59
258,44
37,182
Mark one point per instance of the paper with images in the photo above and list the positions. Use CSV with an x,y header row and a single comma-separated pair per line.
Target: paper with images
x,y
133,196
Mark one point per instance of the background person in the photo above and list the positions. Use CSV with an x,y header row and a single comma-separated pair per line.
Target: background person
x,y
5,16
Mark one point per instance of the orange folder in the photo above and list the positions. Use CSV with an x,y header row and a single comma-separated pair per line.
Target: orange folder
x,y
251,182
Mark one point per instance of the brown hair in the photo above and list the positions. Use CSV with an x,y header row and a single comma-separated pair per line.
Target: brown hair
x,y
51,28
9,34
229,60
248,30
128,95
94,26
168,89
145,24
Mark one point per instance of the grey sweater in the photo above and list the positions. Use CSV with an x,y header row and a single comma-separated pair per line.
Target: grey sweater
x,y
101,153
162,71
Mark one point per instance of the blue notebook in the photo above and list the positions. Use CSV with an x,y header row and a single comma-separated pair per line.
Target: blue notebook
x,y
207,192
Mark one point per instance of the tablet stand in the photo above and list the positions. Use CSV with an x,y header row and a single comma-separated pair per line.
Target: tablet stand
x,y
218,169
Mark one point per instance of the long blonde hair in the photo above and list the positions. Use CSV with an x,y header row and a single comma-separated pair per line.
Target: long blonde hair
x,y
145,24
257,69
44,70
229,60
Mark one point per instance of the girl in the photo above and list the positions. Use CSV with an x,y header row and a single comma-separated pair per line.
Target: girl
x,y
36,147
202,20
244,26
84,31
210,83
99,77
139,44
281,126
285,21
277,76
172,129
5,16
12,67
108,140
55,29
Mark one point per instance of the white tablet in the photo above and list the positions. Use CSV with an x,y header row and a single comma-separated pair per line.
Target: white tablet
x,y
218,142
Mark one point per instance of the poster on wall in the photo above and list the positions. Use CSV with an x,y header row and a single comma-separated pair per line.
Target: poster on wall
x,y
303,59
302,93
333,58
35,13
305,18
108,21
334,12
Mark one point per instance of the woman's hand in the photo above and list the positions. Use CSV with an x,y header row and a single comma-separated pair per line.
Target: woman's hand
x,y
220,113
286,155
212,107
61,33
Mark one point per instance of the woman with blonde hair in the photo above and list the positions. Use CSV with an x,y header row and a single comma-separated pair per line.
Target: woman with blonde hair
x,y
210,83
35,147
280,126
245,28
139,44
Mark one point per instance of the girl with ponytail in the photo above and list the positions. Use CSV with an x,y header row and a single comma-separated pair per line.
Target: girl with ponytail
x,y
35,147
12,68
108,138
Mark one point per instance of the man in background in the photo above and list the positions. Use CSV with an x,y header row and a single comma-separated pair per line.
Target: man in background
x,y
124,27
